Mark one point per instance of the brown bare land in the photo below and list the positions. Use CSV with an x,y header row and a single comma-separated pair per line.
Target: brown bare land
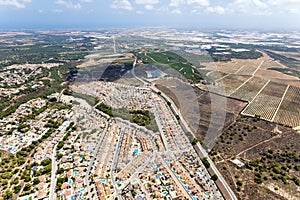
x,y
213,108
169,93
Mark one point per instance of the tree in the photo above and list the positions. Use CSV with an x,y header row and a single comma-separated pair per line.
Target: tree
x,y
258,180
27,187
7,195
194,141
214,177
17,189
205,162
239,182
46,162
36,181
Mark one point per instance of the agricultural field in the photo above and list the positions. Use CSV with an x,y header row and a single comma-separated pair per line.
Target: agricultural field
x,y
271,63
231,82
289,110
236,66
266,102
250,89
271,159
274,89
172,60
264,106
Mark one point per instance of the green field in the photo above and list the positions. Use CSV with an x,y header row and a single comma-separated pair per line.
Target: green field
x,y
174,61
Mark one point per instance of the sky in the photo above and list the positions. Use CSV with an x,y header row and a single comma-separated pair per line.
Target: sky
x,y
203,14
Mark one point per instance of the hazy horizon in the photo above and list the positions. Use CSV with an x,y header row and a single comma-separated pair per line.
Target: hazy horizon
x,y
261,15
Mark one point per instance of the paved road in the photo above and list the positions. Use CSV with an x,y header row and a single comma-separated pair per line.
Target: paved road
x,y
96,151
203,151
52,195
184,192
187,128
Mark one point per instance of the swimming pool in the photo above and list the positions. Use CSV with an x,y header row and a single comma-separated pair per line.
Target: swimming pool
x,y
75,173
81,190
136,151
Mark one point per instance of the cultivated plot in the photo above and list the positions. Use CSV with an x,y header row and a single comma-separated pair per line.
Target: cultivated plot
x,y
231,82
266,103
289,110
250,89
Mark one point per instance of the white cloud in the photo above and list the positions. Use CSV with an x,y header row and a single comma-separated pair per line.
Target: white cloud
x,y
286,6
217,10
239,6
149,7
260,4
191,6
68,4
148,2
14,3
200,3
121,4
176,3
263,7
253,7
284,2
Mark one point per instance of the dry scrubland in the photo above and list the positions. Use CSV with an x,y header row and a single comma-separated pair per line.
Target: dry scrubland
x,y
272,160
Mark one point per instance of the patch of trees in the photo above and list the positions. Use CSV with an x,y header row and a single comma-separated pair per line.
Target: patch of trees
x,y
88,98
206,162
139,117
277,166
252,54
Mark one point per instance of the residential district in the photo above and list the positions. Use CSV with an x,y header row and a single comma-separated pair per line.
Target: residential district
x,y
92,155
